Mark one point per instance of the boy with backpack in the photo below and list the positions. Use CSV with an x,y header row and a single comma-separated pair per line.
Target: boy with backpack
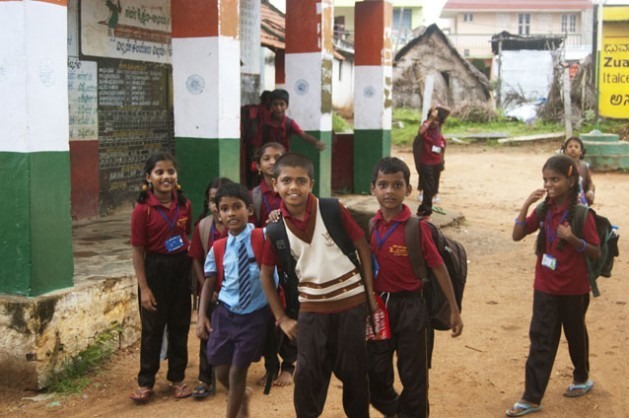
x,y
401,290
330,331
238,325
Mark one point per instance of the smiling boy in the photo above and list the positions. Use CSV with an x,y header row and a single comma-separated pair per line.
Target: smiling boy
x,y
238,325
330,331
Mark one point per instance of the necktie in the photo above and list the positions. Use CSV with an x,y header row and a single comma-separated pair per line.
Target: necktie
x,y
244,285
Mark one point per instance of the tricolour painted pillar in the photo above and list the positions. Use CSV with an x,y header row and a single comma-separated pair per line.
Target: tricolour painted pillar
x,y
372,88
35,223
308,63
206,87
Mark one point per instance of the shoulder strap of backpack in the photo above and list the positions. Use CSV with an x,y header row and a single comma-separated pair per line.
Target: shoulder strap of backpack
x,y
256,200
276,232
413,235
205,226
580,213
257,244
219,255
332,218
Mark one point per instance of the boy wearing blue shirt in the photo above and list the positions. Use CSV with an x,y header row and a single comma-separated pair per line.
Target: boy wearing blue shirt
x,y
237,328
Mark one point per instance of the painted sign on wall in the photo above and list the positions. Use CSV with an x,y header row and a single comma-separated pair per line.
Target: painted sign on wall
x,y
614,64
128,29
82,99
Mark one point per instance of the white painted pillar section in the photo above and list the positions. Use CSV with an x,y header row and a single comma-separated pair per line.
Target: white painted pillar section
x,y
250,48
206,82
33,77
304,84
370,111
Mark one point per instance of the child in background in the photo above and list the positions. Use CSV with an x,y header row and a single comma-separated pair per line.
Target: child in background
x,y
238,325
264,198
330,331
160,225
277,127
561,296
428,150
396,284
573,147
208,229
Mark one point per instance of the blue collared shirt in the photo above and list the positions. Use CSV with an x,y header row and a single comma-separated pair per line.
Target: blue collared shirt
x,y
229,293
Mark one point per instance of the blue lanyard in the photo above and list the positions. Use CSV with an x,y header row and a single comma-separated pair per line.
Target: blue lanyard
x,y
266,203
171,225
380,241
212,232
551,237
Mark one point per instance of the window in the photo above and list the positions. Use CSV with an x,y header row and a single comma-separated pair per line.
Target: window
x,y
568,23
524,24
468,17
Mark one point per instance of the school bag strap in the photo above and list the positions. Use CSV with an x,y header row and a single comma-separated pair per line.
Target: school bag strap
x,y
256,200
257,244
205,227
276,233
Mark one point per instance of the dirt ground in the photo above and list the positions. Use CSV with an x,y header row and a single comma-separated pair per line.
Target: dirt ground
x,y
479,374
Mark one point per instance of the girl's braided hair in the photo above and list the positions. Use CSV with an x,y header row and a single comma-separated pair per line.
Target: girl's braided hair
x,y
149,166
566,166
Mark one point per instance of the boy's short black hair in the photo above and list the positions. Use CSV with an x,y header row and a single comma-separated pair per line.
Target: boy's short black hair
x,y
280,94
391,165
293,160
236,190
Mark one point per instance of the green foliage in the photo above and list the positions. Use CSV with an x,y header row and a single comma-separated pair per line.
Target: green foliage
x,y
72,377
339,124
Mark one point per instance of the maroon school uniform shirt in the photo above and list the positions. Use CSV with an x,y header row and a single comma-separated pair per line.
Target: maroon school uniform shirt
x,y
571,276
280,132
270,201
150,229
432,137
196,247
351,227
395,270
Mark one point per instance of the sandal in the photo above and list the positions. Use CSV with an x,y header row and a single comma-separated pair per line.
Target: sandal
x,y
180,390
201,391
522,408
576,390
141,394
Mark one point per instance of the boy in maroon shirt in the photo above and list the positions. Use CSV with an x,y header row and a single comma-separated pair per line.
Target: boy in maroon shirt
x,y
398,286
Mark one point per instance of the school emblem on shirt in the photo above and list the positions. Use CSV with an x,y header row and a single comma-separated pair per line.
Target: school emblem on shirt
x,y
398,250
328,239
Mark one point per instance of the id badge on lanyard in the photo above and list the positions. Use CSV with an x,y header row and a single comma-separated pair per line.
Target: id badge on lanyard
x,y
548,260
175,242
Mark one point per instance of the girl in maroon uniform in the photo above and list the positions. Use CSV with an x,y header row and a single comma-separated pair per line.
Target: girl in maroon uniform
x,y
160,225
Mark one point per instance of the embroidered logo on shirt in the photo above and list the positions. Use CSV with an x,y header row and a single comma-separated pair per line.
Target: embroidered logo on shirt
x,y
398,250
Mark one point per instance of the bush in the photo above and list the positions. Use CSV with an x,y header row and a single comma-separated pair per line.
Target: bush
x,y
473,112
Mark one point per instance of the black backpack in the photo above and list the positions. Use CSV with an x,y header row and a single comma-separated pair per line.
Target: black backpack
x,y
455,259
607,236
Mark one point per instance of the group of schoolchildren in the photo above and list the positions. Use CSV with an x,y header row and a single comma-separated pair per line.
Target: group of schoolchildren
x,y
242,311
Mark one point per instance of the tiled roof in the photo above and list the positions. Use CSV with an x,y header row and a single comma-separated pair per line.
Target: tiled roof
x,y
478,5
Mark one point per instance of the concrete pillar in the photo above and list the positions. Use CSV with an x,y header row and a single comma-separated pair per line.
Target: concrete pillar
x,y
36,228
206,87
309,54
372,88
250,50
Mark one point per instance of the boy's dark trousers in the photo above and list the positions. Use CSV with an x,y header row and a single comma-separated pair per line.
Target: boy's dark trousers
x,y
205,368
167,277
550,313
408,319
429,177
326,343
277,342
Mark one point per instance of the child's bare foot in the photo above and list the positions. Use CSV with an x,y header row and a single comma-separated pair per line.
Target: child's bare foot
x,y
284,379
244,408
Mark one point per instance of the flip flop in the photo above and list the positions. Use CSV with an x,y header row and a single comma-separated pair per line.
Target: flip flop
x,y
438,210
180,390
521,408
574,391
201,391
141,394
